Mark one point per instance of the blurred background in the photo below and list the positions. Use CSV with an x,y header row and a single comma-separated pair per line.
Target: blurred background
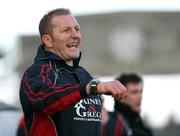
x,y
119,36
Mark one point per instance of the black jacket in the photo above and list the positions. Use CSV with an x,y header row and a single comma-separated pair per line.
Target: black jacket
x,y
133,121
54,100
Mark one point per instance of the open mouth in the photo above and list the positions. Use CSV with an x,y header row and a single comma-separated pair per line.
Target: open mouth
x,y
74,44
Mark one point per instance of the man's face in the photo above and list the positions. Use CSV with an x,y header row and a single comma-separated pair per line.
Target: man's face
x,y
134,96
65,38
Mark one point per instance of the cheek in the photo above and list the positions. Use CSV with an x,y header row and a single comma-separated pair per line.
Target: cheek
x,y
131,99
61,37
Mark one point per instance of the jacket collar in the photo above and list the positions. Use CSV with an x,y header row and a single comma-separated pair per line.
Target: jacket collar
x,y
127,111
47,55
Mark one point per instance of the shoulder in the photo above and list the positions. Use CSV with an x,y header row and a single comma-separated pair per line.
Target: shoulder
x,y
82,71
39,66
114,126
38,69
113,117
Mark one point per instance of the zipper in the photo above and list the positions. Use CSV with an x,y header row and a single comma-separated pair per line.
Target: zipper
x,y
53,125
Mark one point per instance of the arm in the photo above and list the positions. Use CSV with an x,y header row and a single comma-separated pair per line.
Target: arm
x,y
113,88
38,89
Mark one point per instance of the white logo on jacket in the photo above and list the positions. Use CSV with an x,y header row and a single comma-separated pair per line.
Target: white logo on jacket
x,y
88,109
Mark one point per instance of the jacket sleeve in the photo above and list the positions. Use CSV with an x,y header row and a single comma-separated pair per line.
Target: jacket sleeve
x,y
38,88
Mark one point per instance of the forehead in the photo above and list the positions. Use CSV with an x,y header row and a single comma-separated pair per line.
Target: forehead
x,y
64,21
135,86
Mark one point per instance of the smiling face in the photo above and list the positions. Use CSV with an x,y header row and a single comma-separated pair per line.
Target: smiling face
x,y
64,39
134,96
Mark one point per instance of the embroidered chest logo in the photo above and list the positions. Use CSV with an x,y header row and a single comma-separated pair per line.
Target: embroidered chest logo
x,y
88,110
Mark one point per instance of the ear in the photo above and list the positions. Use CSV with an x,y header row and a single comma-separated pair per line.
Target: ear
x,y
47,40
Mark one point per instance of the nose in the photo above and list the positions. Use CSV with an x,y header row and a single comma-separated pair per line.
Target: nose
x,y
140,96
75,34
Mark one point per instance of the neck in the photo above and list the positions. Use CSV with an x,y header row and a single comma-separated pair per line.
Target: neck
x,y
69,63
127,110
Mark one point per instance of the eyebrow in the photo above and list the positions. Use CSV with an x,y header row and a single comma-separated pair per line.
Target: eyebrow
x,y
77,26
136,90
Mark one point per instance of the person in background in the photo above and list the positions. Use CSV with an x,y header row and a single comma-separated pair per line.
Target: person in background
x,y
59,97
126,119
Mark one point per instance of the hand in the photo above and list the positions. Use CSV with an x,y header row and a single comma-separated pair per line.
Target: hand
x,y
114,88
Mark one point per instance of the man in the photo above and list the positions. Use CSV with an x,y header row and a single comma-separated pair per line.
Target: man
x,y
58,96
126,120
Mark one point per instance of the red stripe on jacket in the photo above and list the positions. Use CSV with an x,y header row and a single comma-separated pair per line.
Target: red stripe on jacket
x,y
63,103
42,125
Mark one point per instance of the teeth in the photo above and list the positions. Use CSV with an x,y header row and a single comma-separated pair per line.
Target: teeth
x,y
72,45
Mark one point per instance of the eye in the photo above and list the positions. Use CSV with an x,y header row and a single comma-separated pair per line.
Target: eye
x,y
77,29
65,30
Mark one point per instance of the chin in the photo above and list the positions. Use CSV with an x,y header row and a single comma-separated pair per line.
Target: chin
x,y
75,57
138,110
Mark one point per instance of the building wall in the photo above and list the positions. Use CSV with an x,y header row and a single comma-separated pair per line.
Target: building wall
x,y
144,42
